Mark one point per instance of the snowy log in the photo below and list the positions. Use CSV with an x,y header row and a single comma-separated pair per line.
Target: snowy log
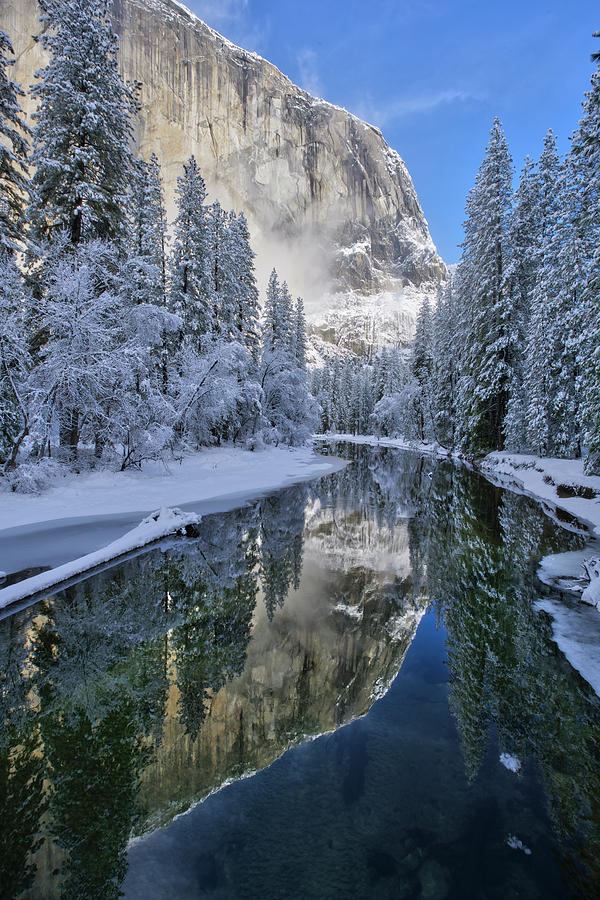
x,y
158,525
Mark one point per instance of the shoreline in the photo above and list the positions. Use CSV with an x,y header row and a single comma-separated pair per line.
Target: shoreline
x,y
83,513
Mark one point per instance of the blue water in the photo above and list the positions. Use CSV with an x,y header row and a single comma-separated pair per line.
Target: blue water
x,y
380,808
251,657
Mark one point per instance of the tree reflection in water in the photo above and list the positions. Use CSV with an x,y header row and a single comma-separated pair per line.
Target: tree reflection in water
x,y
135,693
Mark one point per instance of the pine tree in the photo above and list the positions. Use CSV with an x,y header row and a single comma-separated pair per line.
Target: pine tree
x,y
247,306
523,239
444,368
287,405
81,143
14,362
485,311
13,154
586,162
146,267
192,294
300,343
541,339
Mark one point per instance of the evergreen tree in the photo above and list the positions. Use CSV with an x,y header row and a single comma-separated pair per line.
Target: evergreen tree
x,y
14,362
485,318
300,343
192,294
541,339
81,145
13,154
520,282
586,162
288,407
146,264
444,368
247,306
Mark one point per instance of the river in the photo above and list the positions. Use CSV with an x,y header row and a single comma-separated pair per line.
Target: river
x,y
342,690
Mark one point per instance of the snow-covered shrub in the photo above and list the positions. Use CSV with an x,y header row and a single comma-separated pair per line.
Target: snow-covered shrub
x,y
34,477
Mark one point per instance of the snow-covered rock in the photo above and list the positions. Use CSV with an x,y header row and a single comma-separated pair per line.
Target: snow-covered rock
x,y
591,594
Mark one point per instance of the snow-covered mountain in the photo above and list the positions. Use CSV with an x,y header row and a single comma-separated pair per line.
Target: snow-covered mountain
x,y
330,204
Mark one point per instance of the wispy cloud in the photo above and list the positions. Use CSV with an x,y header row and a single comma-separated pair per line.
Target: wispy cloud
x,y
219,12
382,114
233,19
308,69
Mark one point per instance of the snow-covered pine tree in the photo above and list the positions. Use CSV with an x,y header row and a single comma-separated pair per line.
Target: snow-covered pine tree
x,y
222,273
273,329
444,367
247,305
521,270
568,254
585,156
14,362
288,406
541,353
192,294
422,371
13,153
146,263
81,141
300,342
485,327
82,373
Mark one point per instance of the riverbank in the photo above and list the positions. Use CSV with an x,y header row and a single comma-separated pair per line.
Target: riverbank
x,y
82,513
561,483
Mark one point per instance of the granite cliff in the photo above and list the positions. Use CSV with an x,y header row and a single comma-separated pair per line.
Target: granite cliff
x,y
329,202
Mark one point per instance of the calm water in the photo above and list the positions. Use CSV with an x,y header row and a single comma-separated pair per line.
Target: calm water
x,y
364,648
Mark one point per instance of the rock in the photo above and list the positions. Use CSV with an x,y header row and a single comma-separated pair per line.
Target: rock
x,y
328,201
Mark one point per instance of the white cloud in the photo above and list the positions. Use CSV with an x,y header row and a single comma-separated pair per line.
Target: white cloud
x,y
309,72
382,114
233,19
216,12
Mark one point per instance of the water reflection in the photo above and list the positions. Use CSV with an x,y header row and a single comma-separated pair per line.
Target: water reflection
x,y
136,693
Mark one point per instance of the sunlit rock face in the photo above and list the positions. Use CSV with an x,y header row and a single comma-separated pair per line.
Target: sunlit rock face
x,y
330,204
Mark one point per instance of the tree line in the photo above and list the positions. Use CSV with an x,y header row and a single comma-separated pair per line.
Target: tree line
x,y
508,358
121,337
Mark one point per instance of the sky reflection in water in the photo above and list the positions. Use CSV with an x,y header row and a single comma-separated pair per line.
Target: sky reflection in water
x,y
131,696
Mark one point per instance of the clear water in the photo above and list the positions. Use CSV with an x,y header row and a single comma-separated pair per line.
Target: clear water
x,y
310,700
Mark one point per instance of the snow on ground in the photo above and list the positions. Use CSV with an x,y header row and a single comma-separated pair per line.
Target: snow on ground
x,y
576,631
560,482
154,527
85,512
372,440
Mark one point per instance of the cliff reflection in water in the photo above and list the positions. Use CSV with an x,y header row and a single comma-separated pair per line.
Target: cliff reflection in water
x,y
131,695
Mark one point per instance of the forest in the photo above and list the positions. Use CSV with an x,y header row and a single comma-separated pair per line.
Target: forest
x,y
124,338
508,357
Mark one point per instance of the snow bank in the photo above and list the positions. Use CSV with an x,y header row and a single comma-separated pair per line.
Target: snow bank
x,y
371,440
576,631
560,482
591,594
158,525
213,473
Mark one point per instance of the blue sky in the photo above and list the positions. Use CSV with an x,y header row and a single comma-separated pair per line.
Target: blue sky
x,y
431,74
